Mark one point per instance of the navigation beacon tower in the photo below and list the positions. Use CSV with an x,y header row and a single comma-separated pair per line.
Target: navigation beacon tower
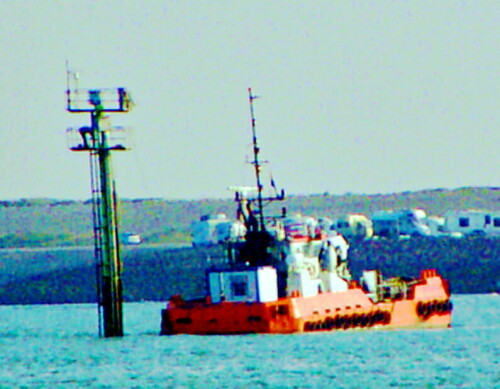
x,y
99,139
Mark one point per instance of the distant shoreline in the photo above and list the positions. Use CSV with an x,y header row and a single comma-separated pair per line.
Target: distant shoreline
x,y
55,223
88,247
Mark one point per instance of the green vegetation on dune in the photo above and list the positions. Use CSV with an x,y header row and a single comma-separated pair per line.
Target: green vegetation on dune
x,y
50,222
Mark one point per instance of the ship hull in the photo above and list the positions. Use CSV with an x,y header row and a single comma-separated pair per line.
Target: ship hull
x,y
427,305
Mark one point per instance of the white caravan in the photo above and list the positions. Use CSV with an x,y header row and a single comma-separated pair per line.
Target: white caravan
x,y
213,229
436,225
473,222
403,222
354,226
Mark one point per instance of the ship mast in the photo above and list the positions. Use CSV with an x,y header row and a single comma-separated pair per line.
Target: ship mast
x,y
256,162
254,250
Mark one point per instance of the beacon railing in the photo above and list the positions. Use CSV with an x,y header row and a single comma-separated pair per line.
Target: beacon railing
x,y
110,99
84,139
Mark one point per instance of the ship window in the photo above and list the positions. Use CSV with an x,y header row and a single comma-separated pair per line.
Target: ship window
x,y
316,250
239,285
496,221
282,310
463,222
487,219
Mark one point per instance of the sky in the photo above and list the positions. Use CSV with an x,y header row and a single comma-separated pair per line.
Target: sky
x,y
360,97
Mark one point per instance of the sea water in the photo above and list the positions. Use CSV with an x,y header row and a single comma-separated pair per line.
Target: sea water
x,y
51,346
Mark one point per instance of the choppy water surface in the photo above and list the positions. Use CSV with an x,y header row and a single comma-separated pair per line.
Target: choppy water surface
x,y
58,346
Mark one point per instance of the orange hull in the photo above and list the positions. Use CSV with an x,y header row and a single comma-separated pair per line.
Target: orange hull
x,y
426,306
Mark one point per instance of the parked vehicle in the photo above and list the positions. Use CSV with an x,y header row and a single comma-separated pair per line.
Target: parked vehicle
x,y
436,225
354,226
391,224
472,222
131,238
301,226
213,229
230,230
204,231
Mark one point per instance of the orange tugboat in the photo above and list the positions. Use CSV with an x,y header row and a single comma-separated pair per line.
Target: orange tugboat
x,y
288,275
